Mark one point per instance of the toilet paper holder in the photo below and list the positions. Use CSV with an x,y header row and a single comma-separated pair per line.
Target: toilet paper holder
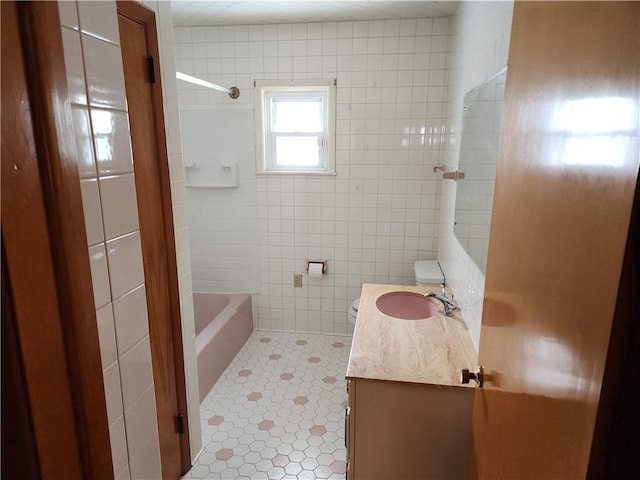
x,y
323,262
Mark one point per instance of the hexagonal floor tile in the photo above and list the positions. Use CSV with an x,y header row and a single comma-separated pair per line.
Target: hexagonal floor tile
x,y
318,430
224,454
338,466
254,396
280,460
266,425
216,420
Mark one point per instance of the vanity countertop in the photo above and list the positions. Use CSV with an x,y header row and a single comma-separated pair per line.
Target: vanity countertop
x,y
431,351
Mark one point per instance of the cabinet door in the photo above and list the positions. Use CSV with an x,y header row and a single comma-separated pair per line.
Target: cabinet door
x,y
408,431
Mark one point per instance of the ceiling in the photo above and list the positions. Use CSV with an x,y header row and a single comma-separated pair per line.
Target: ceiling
x,y
188,13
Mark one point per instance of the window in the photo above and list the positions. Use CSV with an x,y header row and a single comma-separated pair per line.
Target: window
x,y
295,127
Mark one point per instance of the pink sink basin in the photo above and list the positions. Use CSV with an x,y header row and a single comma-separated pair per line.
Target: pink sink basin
x,y
406,306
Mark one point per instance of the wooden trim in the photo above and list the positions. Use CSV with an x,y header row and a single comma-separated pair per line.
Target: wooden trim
x,y
47,254
141,14
19,448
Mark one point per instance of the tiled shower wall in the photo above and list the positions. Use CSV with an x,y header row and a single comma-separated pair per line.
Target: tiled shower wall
x,y
97,94
479,50
372,220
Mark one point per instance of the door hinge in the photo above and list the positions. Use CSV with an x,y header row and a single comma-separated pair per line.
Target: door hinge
x,y
152,69
180,421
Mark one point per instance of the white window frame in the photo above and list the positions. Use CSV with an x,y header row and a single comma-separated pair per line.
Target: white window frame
x,y
265,138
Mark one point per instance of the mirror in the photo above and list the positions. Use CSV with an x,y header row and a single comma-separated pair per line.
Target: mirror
x,y
481,119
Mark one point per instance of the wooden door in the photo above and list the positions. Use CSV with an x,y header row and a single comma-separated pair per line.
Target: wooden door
x,y
564,194
54,423
138,39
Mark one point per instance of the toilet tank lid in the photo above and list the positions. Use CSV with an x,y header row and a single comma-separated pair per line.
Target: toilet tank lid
x,y
428,271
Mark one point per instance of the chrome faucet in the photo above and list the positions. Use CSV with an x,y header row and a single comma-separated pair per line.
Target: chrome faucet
x,y
448,304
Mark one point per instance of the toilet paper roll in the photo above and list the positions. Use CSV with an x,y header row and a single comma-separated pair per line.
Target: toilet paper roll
x,y
315,270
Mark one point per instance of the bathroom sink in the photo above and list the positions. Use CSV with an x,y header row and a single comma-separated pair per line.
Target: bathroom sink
x,y
406,306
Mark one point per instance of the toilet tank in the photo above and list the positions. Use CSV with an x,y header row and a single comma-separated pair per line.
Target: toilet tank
x,y
428,272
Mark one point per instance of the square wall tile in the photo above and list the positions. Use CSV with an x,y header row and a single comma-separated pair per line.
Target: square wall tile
x,y
84,142
68,12
125,264
112,391
141,422
112,140
106,335
136,372
131,322
146,464
99,275
99,19
125,474
92,210
118,437
119,205
105,76
74,66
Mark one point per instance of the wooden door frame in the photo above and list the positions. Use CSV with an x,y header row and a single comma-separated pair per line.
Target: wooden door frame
x,y
143,15
46,252
617,431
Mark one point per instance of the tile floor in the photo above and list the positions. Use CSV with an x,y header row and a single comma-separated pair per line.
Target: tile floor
x,y
277,412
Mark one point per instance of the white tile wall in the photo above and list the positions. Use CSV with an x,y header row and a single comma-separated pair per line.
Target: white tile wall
x,y
373,219
94,66
480,46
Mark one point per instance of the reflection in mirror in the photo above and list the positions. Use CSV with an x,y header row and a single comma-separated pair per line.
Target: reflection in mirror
x,y
481,118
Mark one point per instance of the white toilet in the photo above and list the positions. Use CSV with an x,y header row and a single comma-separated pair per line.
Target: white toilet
x,y
428,273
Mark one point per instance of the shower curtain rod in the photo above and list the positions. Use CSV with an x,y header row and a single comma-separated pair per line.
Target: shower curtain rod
x,y
233,91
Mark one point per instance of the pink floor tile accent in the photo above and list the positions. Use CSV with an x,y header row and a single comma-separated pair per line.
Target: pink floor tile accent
x,y
314,359
300,400
216,420
265,340
224,454
337,345
265,425
286,376
244,373
318,430
329,380
254,396
338,466
301,342
275,356
280,460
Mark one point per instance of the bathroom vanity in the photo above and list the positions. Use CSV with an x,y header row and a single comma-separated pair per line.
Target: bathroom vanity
x,y
408,416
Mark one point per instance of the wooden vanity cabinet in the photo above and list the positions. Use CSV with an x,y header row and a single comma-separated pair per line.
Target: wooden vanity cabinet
x,y
398,430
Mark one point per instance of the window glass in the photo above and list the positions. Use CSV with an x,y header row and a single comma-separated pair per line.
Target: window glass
x,y
297,151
